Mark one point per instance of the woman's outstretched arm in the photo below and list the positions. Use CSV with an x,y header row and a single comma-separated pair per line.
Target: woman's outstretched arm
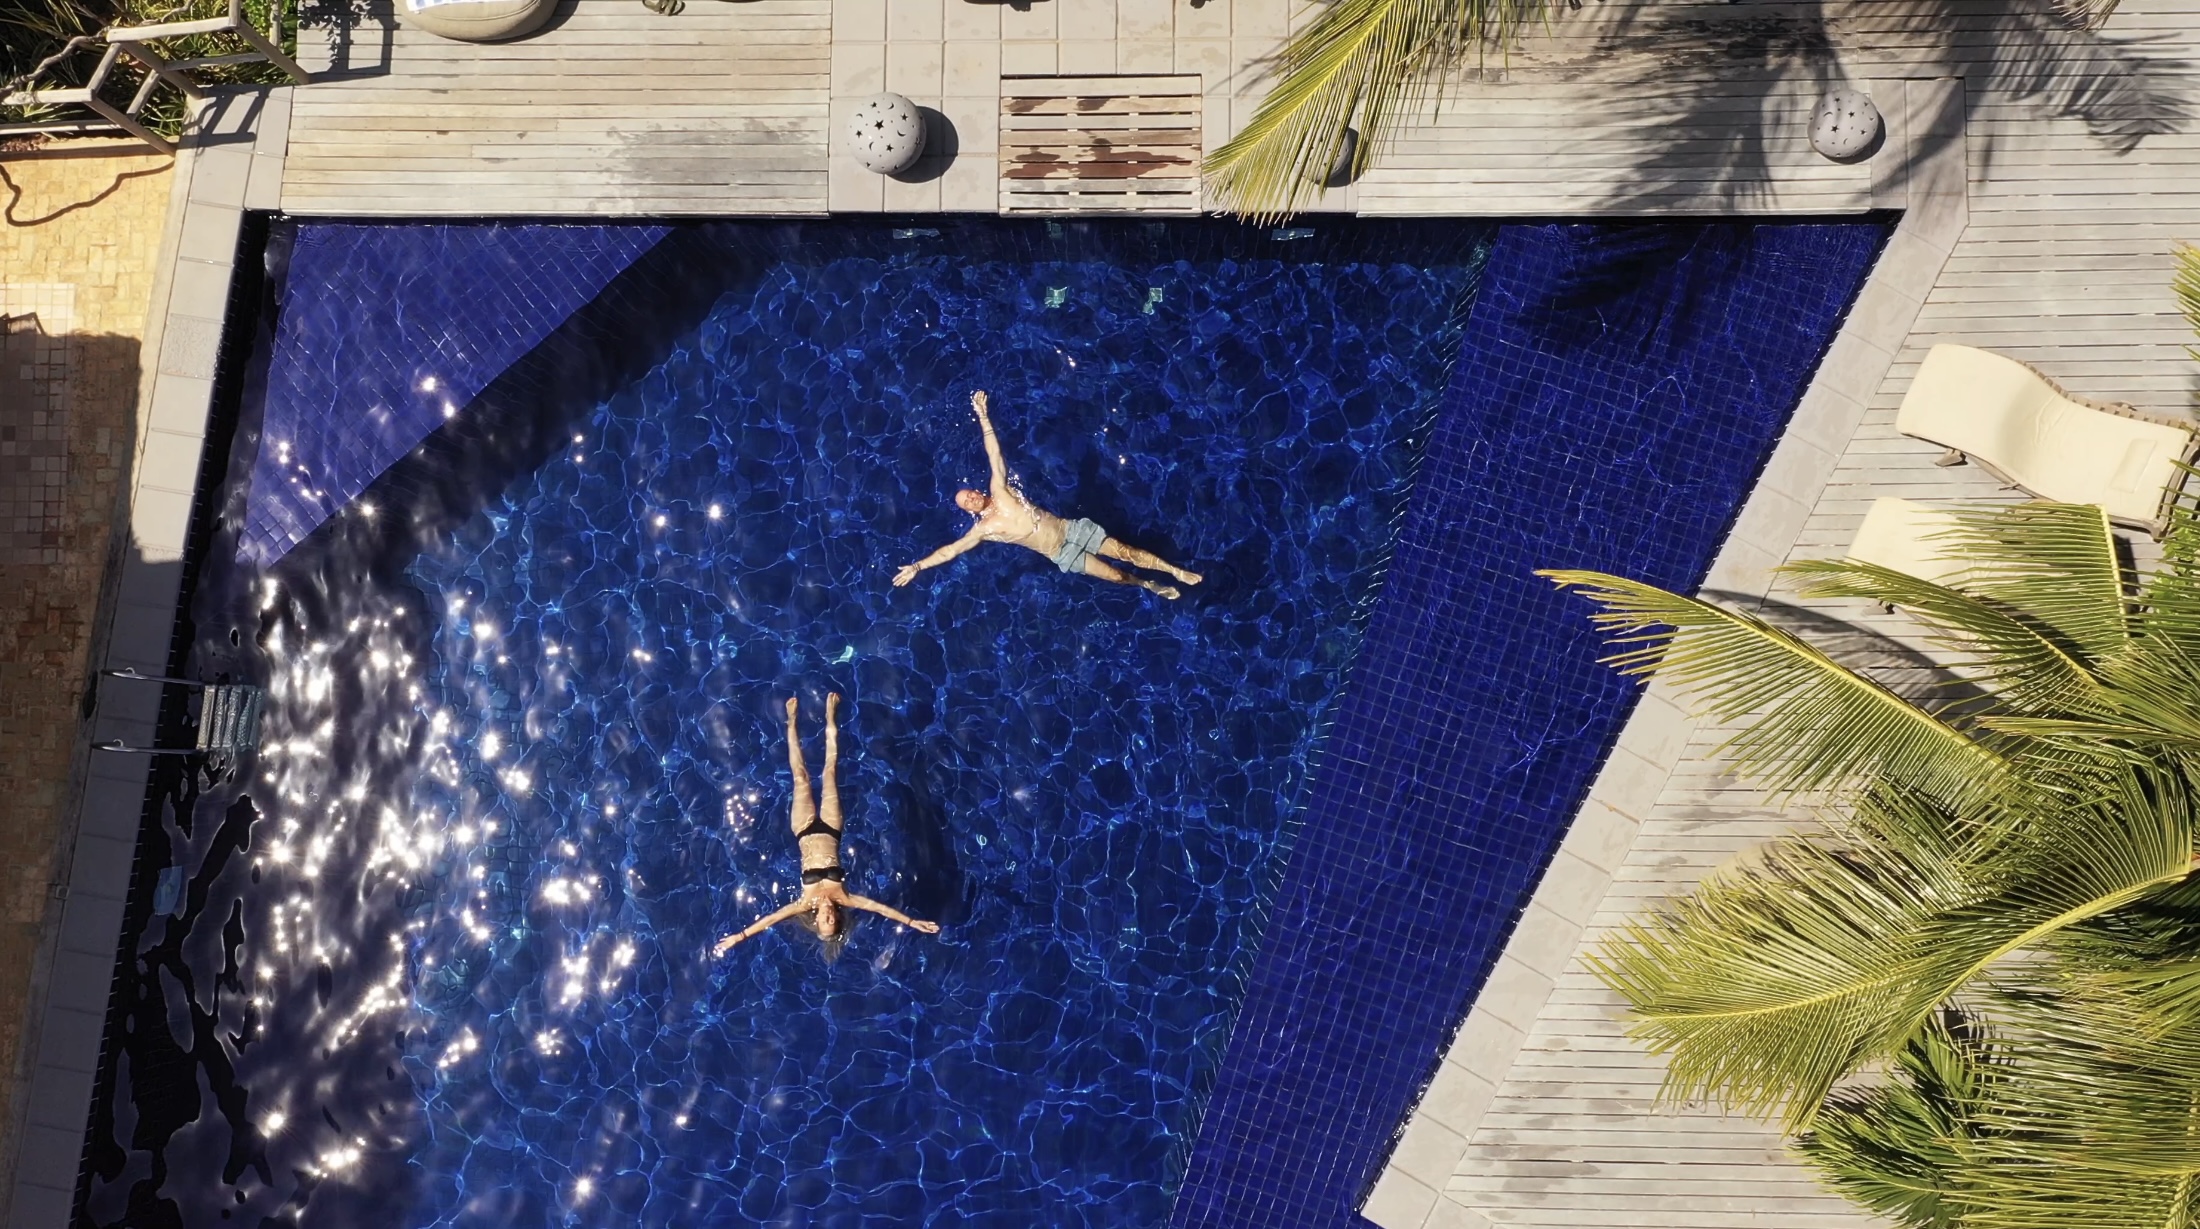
x,y
888,911
759,926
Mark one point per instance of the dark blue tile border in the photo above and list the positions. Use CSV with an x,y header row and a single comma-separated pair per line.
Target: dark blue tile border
x,y
1618,391
374,356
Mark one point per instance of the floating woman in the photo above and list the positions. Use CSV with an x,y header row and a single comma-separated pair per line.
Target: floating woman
x,y
817,836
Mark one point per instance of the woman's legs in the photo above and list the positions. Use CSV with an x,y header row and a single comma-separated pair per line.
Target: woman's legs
x,y
805,808
831,813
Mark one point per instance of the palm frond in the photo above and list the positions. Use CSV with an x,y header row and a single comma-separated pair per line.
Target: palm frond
x,y
1791,971
2056,564
2045,1119
2026,664
1785,973
1813,726
2062,867
1906,1149
1362,61
2145,956
2186,285
2096,1122
2094,734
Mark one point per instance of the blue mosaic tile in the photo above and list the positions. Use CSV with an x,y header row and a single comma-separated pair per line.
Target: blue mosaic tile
x,y
1619,390
372,355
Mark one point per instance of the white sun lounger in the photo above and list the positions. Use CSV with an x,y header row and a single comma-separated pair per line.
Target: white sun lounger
x,y
1900,534
2023,428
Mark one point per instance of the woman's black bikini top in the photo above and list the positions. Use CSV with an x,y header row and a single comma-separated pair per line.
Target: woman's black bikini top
x,y
818,827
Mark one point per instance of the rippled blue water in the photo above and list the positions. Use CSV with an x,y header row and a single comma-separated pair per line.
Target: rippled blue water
x,y
566,774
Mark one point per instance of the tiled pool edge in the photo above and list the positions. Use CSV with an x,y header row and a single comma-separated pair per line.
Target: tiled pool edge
x,y
231,163
1656,737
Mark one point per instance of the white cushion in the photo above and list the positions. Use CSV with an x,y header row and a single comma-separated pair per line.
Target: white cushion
x,y
2008,418
1899,534
476,21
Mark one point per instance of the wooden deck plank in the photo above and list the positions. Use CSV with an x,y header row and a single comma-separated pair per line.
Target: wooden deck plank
x,y
613,110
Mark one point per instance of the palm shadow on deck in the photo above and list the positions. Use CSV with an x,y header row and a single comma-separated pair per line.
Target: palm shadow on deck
x,y
1736,64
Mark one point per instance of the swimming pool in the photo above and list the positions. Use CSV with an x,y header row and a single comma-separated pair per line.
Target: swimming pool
x,y
525,764
530,530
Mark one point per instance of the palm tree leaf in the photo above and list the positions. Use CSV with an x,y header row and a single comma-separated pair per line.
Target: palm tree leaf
x,y
2095,1122
2169,606
2061,867
2027,664
2144,956
2093,733
1813,724
2023,1125
2055,564
1787,972
2186,285
1791,971
1368,61
1905,1149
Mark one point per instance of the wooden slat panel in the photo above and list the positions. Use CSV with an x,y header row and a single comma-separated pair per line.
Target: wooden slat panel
x,y
1122,104
1061,86
1100,144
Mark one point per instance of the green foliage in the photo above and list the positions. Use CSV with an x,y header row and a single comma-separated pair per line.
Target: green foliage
x,y
2186,285
1900,1149
1997,928
1362,62
31,30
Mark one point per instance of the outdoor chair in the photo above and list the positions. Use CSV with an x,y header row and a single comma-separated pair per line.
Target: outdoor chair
x,y
2026,430
229,719
133,41
136,43
1900,534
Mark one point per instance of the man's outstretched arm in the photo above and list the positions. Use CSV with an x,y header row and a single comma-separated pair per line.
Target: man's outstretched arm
x,y
909,571
992,446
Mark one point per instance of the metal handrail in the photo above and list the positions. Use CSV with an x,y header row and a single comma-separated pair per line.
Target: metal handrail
x,y
229,718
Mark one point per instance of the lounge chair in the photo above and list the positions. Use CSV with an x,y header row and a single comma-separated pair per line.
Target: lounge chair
x,y
2024,429
1900,534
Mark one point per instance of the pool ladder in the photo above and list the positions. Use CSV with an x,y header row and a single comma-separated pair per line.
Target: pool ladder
x,y
229,718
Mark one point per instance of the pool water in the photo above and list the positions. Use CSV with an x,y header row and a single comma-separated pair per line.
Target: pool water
x,y
442,960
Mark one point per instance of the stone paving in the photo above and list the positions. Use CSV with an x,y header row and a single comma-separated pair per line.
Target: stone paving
x,y
79,238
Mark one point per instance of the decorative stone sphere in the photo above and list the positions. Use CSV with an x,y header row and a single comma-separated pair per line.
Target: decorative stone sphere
x,y
887,134
1845,126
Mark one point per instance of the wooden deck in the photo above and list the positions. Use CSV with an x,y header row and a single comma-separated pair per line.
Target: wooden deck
x,y
614,110
2083,164
2082,154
